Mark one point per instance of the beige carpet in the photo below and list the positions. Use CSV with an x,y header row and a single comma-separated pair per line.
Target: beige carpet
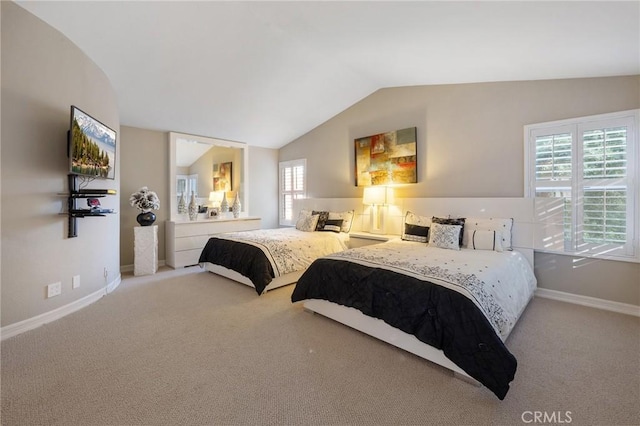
x,y
190,348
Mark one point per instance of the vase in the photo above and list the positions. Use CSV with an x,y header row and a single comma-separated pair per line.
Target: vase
x,y
193,207
224,204
146,218
182,205
235,208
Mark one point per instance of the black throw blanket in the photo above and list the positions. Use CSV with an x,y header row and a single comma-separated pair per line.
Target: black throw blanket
x,y
438,316
243,258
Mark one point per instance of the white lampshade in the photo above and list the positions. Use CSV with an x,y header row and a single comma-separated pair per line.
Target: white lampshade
x,y
378,195
374,195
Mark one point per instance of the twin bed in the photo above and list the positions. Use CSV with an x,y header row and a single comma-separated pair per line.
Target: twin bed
x,y
270,258
453,301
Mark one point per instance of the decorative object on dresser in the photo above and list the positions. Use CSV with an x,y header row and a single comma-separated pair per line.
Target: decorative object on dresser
x,y
235,208
224,204
387,158
182,204
193,207
145,201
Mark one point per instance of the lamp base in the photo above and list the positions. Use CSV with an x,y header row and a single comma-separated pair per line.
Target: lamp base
x,y
377,220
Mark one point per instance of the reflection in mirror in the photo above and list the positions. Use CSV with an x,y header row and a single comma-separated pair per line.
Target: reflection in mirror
x,y
212,170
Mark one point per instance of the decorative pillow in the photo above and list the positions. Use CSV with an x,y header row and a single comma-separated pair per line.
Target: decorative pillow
x,y
503,226
347,218
322,219
416,228
415,233
450,221
484,240
445,236
306,222
333,225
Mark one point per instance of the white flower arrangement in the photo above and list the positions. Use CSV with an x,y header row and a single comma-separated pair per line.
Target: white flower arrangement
x,y
145,200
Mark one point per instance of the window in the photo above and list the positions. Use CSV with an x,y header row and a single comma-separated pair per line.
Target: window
x,y
185,184
583,173
293,186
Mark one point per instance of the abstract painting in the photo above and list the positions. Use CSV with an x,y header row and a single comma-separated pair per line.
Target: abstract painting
x,y
223,178
386,158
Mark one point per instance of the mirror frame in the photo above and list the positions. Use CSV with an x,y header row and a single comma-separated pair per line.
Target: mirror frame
x,y
173,194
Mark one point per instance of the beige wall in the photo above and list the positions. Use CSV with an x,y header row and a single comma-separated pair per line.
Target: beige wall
x,y
43,73
145,162
263,185
470,144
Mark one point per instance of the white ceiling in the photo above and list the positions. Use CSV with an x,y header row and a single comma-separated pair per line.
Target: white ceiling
x,y
266,73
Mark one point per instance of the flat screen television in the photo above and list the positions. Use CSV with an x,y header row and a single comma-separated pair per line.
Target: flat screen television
x,y
92,146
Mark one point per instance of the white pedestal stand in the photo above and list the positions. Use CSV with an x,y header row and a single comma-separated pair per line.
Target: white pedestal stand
x,y
145,250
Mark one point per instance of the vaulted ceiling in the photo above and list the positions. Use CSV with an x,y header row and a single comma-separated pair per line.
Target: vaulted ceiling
x,y
266,73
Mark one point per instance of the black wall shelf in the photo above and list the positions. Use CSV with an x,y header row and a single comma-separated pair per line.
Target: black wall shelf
x,y
72,209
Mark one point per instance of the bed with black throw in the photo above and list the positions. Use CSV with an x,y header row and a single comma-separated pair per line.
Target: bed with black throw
x,y
454,307
269,258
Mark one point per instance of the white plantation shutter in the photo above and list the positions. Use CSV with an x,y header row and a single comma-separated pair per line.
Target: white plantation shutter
x,y
553,174
293,186
583,173
605,183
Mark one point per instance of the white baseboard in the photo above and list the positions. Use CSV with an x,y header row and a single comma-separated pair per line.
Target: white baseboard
x,y
35,322
129,268
607,305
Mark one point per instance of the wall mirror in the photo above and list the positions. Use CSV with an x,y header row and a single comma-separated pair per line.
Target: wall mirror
x,y
208,168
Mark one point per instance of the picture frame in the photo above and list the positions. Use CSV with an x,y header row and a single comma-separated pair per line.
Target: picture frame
x,y
223,177
386,158
213,212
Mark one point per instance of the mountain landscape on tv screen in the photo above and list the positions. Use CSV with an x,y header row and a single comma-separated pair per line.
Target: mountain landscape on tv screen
x,y
93,147
95,130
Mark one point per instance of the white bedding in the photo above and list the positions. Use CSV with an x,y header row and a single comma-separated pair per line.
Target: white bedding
x,y
499,283
288,249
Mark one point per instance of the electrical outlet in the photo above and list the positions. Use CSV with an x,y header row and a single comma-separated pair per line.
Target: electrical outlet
x,y
54,289
75,281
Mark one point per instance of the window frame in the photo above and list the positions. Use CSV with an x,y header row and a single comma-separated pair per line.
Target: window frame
x,y
296,194
630,251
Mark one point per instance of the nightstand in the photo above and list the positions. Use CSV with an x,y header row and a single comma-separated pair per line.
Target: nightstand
x,y
361,239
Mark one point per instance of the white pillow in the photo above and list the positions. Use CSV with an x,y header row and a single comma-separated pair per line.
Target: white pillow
x,y
501,225
307,222
416,227
485,240
347,219
445,236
